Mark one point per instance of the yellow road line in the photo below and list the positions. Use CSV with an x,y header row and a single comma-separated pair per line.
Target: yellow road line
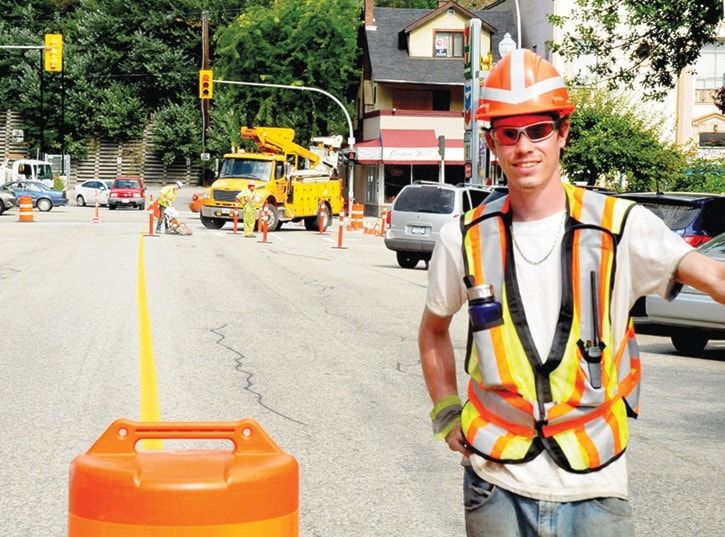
x,y
150,410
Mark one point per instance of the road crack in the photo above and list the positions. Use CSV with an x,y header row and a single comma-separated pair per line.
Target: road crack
x,y
248,375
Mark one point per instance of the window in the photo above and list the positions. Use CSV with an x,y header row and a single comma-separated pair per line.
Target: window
x,y
442,100
709,73
712,139
412,99
448,45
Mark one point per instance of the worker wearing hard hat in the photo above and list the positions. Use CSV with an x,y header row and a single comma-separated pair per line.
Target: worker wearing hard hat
x,y
167,196
248,200
550,272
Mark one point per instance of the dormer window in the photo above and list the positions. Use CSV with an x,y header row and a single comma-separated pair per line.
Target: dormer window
x,y
448,44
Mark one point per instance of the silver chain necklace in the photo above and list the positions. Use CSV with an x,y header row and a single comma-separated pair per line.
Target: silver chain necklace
x,y
551,250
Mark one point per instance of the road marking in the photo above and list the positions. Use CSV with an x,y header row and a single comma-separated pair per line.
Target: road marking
x,y
147,366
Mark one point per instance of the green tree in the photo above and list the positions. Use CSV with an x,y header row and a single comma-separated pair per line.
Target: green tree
x,y
612,140
702,175
296,42
643,42
124,63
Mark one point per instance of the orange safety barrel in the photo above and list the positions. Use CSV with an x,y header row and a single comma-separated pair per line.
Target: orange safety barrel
x,y
118,490
25,205
356,218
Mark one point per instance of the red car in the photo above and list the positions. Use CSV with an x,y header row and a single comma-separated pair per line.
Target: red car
x,y
127,191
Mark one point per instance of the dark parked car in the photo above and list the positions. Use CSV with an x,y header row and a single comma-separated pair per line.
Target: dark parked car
x,y
44,197
691,319
697,217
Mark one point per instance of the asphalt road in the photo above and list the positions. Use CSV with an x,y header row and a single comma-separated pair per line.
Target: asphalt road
x,y
317,344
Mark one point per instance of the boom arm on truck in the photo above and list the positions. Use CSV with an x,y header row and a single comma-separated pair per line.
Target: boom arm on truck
x,y
279,140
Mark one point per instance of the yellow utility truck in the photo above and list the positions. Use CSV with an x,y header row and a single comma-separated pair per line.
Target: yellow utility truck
x,y
296,183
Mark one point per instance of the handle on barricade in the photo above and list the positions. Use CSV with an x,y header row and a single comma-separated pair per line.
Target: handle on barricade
x,y
122,435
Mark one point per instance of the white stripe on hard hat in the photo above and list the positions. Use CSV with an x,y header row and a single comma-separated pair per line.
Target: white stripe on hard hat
x,y
519,93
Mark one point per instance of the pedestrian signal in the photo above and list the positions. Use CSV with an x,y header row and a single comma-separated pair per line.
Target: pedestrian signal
x,y
53,54
349,156
206,84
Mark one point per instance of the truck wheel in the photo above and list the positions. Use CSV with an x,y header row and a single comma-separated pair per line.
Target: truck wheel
x,y
312,223
407,259
212,223
272,218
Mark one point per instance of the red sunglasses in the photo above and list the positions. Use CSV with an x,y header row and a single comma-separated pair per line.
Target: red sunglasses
x,y
537,132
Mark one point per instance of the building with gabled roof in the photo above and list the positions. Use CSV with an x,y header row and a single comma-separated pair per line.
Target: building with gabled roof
x,y
411,97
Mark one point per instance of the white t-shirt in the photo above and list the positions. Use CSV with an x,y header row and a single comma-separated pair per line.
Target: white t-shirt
x,y
647,258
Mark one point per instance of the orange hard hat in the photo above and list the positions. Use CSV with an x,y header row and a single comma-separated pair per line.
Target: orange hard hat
x,y
523,83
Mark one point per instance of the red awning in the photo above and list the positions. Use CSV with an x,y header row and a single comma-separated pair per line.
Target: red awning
x,y
369,152
403,146
454,152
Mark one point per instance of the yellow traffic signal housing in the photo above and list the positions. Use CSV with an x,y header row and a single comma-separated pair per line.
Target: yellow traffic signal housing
x,y
53,53
206,84
487,62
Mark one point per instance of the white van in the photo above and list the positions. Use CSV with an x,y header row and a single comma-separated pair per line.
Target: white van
x,y
19,169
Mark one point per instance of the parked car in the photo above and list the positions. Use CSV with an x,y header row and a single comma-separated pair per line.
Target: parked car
x,y
87,192
44,198
7,200
697,217
127,191
420,210
692,318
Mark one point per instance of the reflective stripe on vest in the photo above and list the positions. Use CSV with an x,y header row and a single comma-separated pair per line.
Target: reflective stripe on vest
x,y
519,404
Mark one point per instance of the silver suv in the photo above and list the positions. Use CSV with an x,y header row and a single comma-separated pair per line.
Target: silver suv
x,y
420,210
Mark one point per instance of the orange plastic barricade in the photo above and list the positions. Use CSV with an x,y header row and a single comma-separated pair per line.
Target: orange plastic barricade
x,y
356,218
25,206
118,490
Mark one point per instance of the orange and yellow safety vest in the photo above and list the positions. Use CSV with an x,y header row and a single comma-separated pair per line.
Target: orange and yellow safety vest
x,y
520,405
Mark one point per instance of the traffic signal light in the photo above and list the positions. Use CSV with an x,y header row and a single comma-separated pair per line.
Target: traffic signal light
x,y
53,55
487,62
349,157
206,84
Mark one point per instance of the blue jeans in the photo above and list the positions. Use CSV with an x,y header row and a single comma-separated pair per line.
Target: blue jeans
x,y
494,512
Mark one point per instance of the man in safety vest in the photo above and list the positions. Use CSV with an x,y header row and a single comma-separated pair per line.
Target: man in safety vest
x,y
550,273
249,208
167,196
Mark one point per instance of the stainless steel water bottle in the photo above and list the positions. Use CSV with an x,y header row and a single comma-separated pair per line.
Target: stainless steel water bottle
x,y
483,310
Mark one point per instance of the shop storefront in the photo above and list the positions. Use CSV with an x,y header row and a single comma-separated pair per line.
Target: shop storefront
x,y
399,157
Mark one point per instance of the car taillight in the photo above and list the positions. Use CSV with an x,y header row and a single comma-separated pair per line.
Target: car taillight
x,y
388,217
696,240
